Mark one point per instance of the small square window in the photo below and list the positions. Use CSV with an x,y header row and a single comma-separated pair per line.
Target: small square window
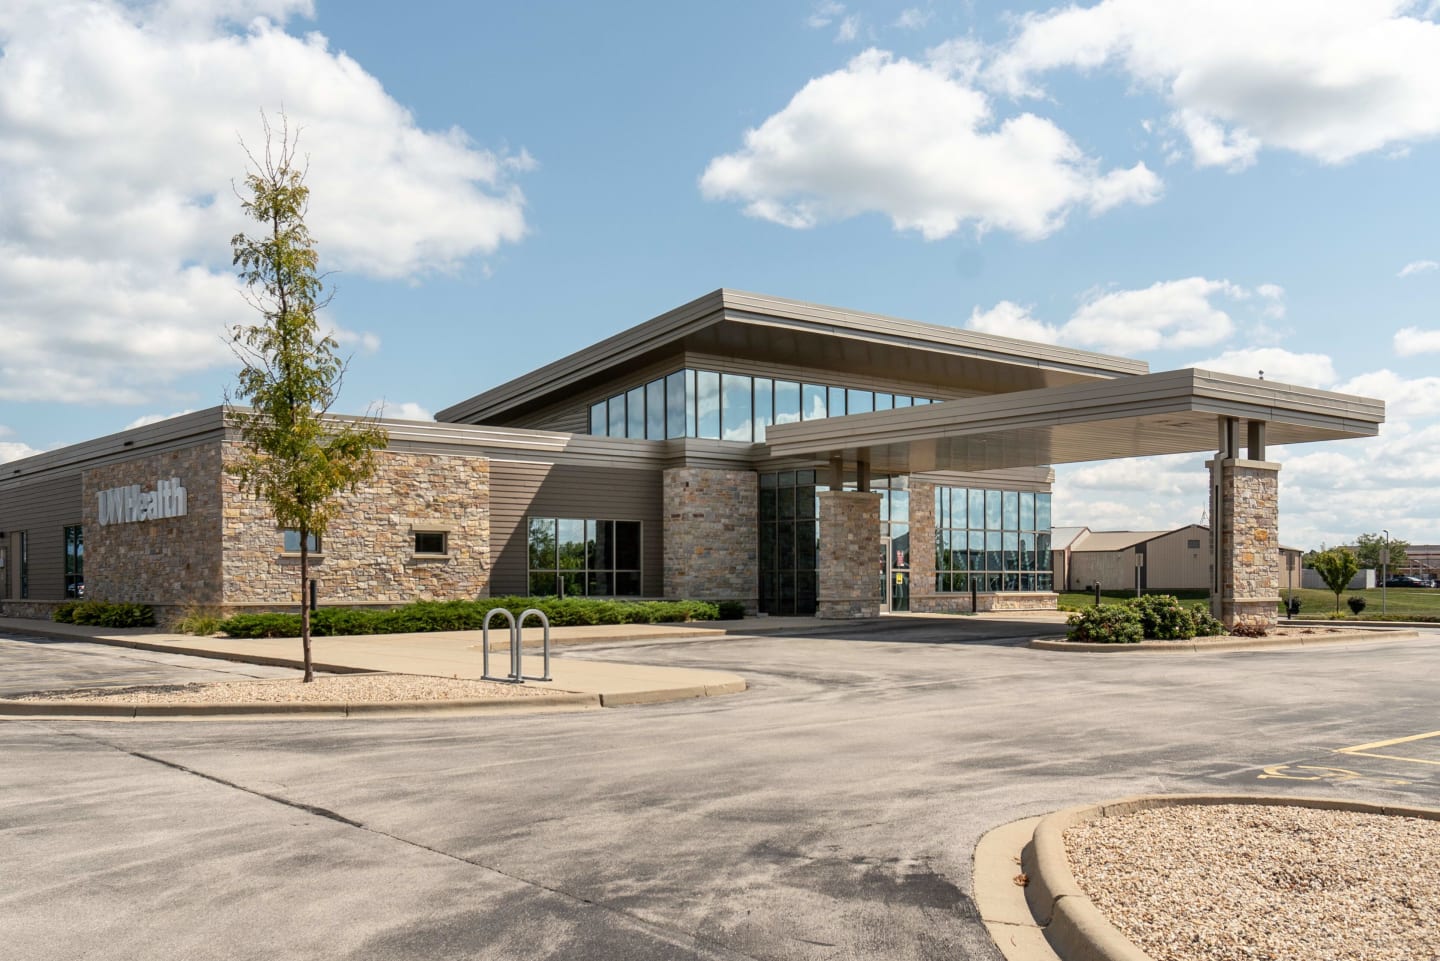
x,y
430,542
1193,544
292,542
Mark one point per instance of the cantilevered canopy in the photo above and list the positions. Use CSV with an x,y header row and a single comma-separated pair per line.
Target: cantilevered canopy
x,y
1166,413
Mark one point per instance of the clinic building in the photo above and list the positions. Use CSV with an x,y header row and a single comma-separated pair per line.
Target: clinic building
x,y
798,458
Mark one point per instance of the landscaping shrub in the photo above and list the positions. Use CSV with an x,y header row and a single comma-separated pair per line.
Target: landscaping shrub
x,y
731,610
201,621
262,625
1206,624
1356,602
1110,624
1164,618
1154,617
427,616
104,614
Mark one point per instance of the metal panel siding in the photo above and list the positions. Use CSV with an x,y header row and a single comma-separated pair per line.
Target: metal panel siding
x,y
518,490
44,508
1170,565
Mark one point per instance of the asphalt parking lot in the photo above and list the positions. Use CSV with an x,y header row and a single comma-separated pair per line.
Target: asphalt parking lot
x,y
829,812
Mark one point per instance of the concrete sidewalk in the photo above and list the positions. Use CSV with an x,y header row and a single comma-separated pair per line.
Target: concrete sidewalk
x,y
439,654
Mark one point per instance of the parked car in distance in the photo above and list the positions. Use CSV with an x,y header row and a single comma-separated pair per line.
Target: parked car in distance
x,y
1404,580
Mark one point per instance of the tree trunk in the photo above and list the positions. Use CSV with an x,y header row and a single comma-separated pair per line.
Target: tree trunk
x,y
305,603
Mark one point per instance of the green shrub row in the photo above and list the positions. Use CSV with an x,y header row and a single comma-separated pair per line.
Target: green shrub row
x,y
104,614
426,616
1154,617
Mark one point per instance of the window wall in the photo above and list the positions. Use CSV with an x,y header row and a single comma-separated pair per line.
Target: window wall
x,y
582,557
789,535
732,407
992,540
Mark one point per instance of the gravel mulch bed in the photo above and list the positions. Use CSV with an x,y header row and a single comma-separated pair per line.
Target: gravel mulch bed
x,y
1265,883
348,688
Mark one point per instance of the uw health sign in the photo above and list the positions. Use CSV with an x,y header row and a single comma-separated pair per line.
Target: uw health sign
x,y
127,505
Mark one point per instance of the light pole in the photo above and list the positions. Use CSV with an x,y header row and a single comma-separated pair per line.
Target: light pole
x,y
1384,569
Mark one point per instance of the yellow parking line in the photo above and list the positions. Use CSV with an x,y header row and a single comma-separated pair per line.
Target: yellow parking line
x,y
1367,750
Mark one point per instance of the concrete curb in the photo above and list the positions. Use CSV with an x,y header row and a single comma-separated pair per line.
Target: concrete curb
x,y
531,704
1202,645
626,698
1063,924
267,660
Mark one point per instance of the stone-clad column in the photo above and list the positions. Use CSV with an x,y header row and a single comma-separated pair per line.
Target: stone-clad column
x,y
1245,516
849,554
711,535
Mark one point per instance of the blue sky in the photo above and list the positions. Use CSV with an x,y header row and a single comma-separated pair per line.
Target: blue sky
x,y
1233,185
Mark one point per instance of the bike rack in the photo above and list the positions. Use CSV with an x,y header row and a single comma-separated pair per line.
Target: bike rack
x,y
519,625
516,675
485,646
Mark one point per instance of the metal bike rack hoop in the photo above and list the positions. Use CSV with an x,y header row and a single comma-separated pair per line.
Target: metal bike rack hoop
x,y
514,647
519,625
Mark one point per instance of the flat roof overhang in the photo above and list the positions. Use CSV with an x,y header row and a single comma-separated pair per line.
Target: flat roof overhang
x,y
772,330
1172,412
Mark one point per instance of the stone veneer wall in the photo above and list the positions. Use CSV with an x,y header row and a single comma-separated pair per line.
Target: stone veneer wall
x,y
711,535
368,555
166,562
1248,555
849,532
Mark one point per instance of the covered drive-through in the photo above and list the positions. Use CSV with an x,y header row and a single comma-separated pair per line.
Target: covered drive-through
x,y
1173,412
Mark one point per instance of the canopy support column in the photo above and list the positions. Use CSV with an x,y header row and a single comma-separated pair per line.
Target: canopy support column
x,y
1244,530
849,585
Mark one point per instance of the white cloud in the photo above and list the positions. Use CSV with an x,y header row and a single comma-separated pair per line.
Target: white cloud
x,y
148,419
1171,314
1304,370
13,450
408,410
848,29
915,143
1331,82
1405,398
362,340
913,18
824,13
1410,341
1009,319
1418,267
115,260
1102,495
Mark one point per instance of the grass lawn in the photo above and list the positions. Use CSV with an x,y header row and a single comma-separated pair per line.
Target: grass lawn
x,y
1401,602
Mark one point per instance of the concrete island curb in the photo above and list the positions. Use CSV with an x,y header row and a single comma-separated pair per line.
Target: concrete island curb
x,y
1202,645
1048,917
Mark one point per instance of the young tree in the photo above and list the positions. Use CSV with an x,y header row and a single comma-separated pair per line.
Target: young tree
x,y
1369,546
1336,567
296,458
